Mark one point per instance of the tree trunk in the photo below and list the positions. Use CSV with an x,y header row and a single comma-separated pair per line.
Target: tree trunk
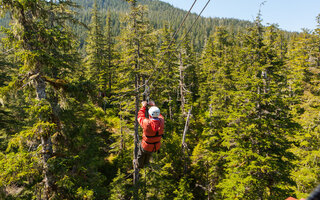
x,y
183,144
136,141
46,155
136,125
121,131
181,84
109,58
170,108
45,143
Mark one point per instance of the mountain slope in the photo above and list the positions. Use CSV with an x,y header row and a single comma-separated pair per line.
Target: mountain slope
x,y
161,13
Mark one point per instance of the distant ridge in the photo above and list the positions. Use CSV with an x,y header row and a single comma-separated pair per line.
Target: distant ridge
x,y
161,13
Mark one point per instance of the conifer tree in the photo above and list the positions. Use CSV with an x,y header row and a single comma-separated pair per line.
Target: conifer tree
x,y
165,76
137,46
184,191
188,76
119,187
107,75
217,91
43,49
304,75
258,129
95,49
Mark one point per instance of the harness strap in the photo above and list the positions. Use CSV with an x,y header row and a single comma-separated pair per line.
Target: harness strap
x,y
154,145
152,142
154,136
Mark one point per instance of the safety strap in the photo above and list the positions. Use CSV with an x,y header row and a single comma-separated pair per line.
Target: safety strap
x,y
152,142
155,145
157,135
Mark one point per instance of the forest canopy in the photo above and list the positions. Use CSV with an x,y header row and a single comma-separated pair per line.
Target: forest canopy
x,y
74,73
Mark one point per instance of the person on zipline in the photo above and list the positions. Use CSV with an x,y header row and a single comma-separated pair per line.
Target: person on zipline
x,y
153,128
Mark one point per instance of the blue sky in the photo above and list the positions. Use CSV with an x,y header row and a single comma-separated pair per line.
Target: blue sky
x,y
291,15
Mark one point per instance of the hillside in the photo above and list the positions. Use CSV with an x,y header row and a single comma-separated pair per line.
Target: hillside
x,y
161,13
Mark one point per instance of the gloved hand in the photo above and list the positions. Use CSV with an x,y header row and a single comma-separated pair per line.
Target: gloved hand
x,y
144,103
151,103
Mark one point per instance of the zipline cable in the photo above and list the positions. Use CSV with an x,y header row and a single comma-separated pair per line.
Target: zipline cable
x,y
195,21
167,48
181,24
170,43
159,72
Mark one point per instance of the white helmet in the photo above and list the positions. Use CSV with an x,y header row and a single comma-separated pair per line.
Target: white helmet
x,y
154,111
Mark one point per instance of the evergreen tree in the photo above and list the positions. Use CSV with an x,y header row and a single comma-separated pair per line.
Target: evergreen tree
x,y
165,76
95,49
217,92
259,124
137,47
43,49
189,85
106,78
55,144
119,190
304,75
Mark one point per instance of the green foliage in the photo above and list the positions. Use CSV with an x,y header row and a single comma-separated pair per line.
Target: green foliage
x,y
95,47
119,187
304,74
184,191
160,14
67,104
84,194
258,147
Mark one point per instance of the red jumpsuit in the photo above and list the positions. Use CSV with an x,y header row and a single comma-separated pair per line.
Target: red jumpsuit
x,y
153,129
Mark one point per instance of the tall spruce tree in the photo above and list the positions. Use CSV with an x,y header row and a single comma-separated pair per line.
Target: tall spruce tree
x,y
191,76
303,66
217,91
188,80
106,78
137,58
95,48
165,76
43,50
259,124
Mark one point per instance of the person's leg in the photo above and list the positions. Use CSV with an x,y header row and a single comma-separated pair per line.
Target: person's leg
x,y
141,157
147,158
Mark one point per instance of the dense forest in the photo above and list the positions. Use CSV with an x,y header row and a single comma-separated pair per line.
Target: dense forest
x,y
158,15
73,78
